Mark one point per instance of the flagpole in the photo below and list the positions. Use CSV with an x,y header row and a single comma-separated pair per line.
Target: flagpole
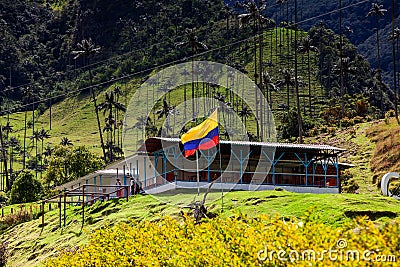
x,y
197,170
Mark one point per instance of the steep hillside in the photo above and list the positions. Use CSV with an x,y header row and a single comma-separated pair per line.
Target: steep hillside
x,y
386,155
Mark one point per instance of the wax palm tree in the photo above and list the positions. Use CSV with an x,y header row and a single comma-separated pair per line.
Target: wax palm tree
x,y
48,151
296,81
13,143
245,113
8,128
254,15
87,49
28,94
378,11
65,142
287,81
195,45
164,110
270,86
395,36
110,105
3,147
306,47
35,137
43,134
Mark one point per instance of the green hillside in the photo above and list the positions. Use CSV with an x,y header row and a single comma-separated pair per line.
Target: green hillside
x,y
29,244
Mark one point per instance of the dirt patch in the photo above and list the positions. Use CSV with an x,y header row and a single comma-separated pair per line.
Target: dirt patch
x,y
373,215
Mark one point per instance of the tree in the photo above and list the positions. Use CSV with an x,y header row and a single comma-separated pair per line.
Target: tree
x,y
4,156
68,163
43,134
26,188
244,113
87,49
66,142
395,35
378,11
194,44
254,14
35,137
13,142
111,105
287,81
307,47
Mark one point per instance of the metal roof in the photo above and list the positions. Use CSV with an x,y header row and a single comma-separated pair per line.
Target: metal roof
x,y
265,144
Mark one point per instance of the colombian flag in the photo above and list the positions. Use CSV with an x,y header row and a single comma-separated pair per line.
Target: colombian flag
x,y
204,136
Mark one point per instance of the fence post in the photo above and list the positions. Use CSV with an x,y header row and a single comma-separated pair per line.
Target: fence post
x,y
65,206
42,208
59,207
83,204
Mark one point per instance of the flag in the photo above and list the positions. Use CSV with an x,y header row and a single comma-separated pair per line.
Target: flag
x,y
202,137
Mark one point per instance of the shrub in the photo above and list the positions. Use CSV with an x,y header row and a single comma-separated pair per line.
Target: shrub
x,y
351,187
16,218
346,122
25,188
234,241
3,254
3,198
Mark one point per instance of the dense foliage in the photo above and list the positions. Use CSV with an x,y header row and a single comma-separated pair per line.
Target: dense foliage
x,y
26,188
68,163
236,241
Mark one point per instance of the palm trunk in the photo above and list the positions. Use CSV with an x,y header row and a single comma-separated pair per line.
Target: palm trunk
x,y
24,151
8,186
260,44
97,113
341,60
299,119
396,112
309,81
379,65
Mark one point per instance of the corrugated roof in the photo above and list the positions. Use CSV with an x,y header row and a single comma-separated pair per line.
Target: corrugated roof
x,y
266,144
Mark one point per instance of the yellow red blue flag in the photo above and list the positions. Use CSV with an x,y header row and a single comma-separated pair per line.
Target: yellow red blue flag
x,y
202,137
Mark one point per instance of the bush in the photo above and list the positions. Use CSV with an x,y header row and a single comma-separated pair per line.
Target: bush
x,y
234,241
3,198
16,218
3,254
25,188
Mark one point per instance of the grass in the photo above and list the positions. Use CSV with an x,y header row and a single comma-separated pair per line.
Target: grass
x,y
30,244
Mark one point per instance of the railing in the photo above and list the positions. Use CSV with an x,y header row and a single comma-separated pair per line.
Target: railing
x,y
82,191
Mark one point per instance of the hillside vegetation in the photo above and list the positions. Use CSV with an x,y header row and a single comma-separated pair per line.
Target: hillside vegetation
x,y
30,245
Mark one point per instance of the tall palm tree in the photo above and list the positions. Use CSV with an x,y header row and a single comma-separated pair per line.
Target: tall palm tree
x,y
28,93
395,35
378,11
341,57
13,142
287,81
270,86
35,137
110,105
87,49
4,156
254,15
307,47
244,113
65,142
299,118
195,45
43,134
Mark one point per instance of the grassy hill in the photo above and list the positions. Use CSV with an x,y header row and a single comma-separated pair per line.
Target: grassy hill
x,y
29,244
